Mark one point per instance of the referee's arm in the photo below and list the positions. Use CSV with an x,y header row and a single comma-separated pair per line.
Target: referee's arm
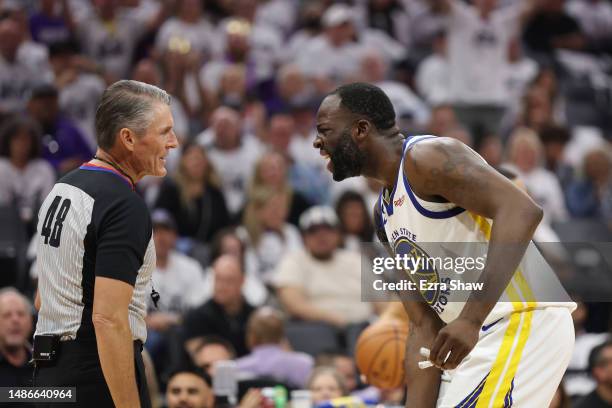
x,y
124,230
114,339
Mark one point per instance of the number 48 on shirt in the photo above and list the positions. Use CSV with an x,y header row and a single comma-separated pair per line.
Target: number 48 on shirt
x,y
52,227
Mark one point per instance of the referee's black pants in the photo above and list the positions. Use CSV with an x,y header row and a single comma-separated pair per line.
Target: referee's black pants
x,y
78,365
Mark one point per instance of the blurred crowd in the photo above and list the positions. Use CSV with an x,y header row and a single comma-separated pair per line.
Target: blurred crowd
x,y
257,248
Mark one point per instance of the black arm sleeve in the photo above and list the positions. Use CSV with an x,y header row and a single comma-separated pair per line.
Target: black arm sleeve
x,y
124,232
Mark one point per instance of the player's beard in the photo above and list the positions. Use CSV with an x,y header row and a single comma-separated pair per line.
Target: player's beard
x,y
347,159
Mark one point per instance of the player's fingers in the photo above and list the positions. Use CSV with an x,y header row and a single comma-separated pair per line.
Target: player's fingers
x,y
439,358
437,345
456,357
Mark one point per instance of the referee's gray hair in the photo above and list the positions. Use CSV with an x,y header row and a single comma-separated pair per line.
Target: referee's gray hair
x,y
126,104
11,290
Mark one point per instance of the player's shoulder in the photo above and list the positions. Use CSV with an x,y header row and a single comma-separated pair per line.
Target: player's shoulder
x,y
426,150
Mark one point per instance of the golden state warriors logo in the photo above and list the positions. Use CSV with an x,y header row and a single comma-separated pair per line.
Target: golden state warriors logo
x,y
422,272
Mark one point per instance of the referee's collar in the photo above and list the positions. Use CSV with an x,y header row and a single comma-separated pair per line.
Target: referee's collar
x,y
96,167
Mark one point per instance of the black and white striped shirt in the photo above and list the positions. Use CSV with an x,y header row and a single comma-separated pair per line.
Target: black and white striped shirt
x,y
91,224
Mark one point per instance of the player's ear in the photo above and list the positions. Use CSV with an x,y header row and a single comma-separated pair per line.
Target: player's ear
x,y
362,129
127,138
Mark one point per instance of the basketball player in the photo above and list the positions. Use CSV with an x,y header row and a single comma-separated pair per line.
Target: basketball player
x,y
497,350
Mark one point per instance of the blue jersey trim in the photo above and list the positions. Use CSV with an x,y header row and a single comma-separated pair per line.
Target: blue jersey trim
x,y
424,211
91,167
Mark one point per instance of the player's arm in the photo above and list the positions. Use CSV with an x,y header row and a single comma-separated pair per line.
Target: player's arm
x,y
444,168
114,339
422,385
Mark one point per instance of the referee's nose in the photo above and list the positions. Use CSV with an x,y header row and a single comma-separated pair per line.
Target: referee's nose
x,y
172,141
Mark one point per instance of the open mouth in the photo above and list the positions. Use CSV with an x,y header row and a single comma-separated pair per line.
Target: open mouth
x,y
327,158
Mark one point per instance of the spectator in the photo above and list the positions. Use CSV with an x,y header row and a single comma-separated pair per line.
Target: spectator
x,y
432,76
179,280
17,75
226,314
52,23
480,33
522,70
193,196
554,140
109,36
188,31
271,171
551,28
525,155
148,72
391,17
600,367
294,89
343,364
211,349
255,48
228,242
442,120
270,236
591,196
234,152
64,145
25,179
577,380
322,282
265,336
325,384
491,149
15,330
355,221
308,28
410,110
332,56
79,92
188,387
595,20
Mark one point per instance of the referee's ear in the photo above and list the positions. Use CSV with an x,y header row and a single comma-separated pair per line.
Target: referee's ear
x,y
126,139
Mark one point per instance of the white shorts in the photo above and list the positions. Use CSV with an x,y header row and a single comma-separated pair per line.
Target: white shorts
x,y
518,362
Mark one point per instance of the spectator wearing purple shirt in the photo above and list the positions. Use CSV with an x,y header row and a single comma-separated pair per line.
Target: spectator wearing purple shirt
x,y
268,358
63,144
51,24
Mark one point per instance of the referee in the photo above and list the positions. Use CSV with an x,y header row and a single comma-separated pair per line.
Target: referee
x,y
96,255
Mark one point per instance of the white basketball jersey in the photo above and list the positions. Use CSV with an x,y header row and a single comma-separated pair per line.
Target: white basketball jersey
x,y
421,228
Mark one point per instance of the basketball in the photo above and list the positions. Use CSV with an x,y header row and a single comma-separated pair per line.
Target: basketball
x,y
380,351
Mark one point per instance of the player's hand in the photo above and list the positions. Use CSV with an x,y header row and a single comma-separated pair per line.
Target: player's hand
x,y
459,338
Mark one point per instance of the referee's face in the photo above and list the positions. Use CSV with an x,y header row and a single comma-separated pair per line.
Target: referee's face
x,y
152,148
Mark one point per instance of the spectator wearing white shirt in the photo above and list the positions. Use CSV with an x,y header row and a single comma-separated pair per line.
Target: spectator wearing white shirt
x,y
270,235
526,158
411,111
309,26
334,55
25,178
188,31
322,283
595,19
17,75
478,40
433,73
177,278
79,92
232,152
109,35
